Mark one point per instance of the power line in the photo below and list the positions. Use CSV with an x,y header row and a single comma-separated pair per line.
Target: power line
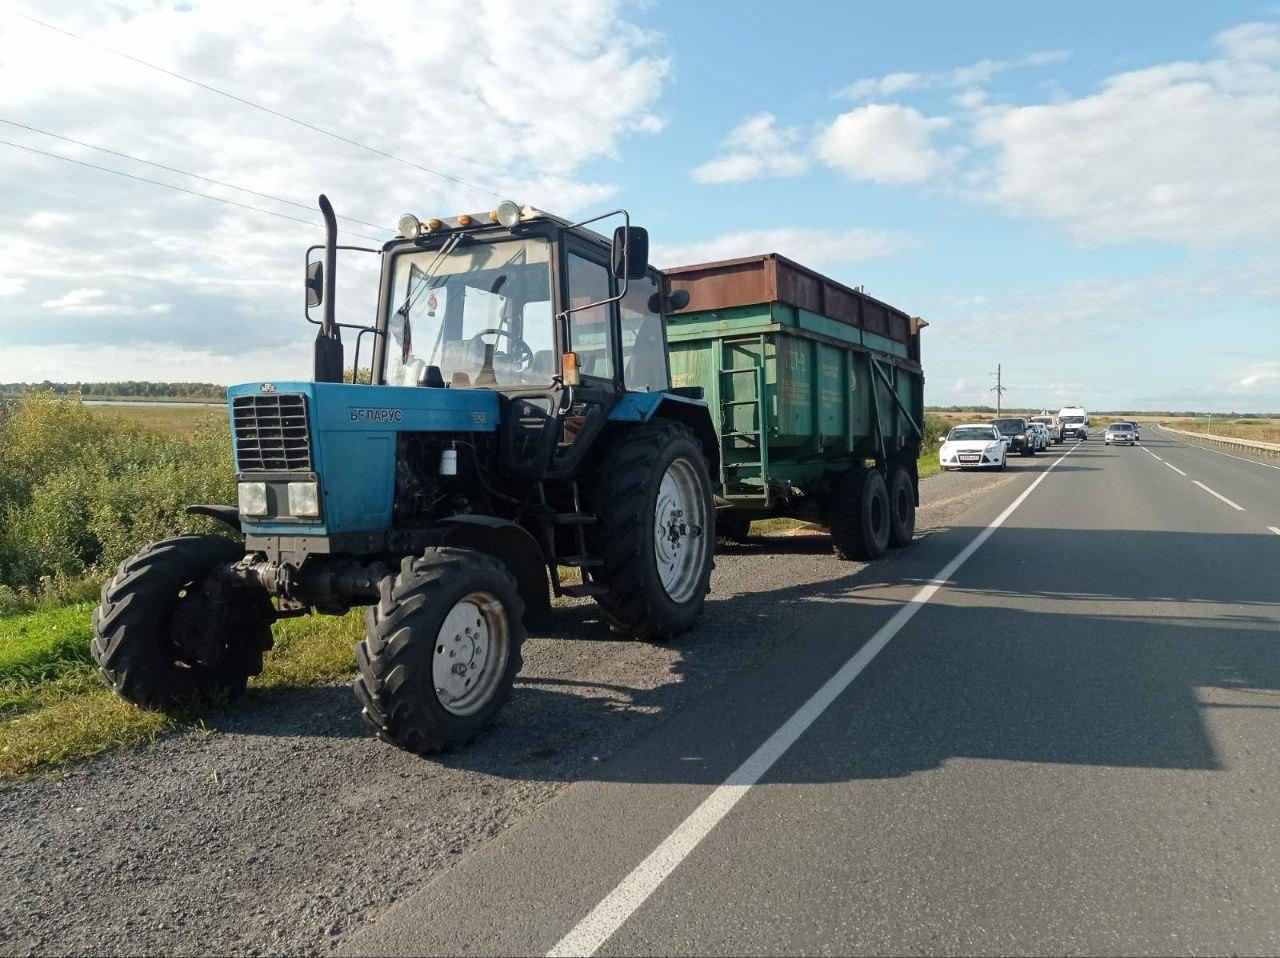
x,y
257,106
180,189
174,169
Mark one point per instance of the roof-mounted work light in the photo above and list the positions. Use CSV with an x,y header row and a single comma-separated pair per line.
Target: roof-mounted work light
x,y
409,225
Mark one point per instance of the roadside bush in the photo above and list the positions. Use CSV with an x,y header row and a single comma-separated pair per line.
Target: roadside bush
x,y
80,492
935,427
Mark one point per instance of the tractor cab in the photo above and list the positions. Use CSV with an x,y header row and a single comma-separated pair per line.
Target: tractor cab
x,y
562,322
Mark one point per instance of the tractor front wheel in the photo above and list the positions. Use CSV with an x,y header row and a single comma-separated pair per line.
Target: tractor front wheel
x,y
166,634
441,649
654,530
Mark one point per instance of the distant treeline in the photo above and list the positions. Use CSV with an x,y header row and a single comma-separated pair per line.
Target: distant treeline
x,y
1170,413
129,389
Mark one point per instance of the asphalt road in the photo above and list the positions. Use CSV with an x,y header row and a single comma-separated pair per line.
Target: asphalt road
x,y
1069,745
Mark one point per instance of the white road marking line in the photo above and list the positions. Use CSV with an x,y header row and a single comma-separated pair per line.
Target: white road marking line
x,y
1218,495
609,915
1175,468
1217,452
1274,529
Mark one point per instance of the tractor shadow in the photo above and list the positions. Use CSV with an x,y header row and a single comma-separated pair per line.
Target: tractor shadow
x,y
1103,648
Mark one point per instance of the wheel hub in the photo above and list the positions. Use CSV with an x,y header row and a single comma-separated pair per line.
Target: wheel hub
x,y
470,653
679,518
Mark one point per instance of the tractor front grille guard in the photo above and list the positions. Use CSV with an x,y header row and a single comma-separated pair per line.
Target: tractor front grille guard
x,y
272,433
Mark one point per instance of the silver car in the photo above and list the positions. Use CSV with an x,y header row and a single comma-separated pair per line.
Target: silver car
x,y
1121,433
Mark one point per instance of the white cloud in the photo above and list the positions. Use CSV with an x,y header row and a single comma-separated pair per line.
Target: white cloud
x,y
874,88
970,75
79,301
1180,153
883,143
812,247
1258,42
756,148
1259,378
530,95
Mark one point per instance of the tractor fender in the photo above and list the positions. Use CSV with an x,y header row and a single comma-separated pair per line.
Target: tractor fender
x,y
689,411
512,545
227,515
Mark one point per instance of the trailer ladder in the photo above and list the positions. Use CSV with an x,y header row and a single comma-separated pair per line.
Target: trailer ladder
x,y
731,468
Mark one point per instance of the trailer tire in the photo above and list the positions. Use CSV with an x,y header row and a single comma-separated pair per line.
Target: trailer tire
x,y
902,507
421,621
156,599
859,515
631,495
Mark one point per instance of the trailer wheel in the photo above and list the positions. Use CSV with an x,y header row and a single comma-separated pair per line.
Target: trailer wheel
x,y
860,515
441,649
163,635
902,507
655,531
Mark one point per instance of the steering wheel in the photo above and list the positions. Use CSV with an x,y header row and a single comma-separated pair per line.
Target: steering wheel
x,y
520,354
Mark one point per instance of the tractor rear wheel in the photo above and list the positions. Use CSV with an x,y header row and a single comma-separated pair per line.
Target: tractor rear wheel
x,y
859,515
654,530
166,635
441,649
902,507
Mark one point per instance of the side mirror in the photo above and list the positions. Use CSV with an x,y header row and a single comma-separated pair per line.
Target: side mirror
x,y
630,252
942,439
315,284
678,300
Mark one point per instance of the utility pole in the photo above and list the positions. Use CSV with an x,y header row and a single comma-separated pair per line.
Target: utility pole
x,y
998,389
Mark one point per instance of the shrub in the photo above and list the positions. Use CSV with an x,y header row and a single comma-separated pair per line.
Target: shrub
x,y
81,492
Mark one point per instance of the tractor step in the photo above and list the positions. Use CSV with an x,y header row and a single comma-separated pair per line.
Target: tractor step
x,y
580,562
586,590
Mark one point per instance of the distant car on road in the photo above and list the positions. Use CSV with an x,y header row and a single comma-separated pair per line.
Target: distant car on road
x,y
1120,433
1052,425
976,445
1017,435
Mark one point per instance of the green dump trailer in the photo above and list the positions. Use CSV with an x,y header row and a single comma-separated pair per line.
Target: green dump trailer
x,y
817,394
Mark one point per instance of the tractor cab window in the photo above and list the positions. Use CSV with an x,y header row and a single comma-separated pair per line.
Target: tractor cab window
x,y
589,328
644,360
480,312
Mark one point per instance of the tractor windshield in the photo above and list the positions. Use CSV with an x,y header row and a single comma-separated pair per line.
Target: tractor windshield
x,y
479,312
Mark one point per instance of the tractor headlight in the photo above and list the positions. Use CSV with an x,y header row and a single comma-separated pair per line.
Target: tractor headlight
x,y
409,225
304,499
253,498
507,213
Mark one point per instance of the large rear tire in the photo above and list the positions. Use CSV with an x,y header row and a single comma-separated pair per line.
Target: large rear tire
x,y
902,507
860,515
654,530
164,635
441,649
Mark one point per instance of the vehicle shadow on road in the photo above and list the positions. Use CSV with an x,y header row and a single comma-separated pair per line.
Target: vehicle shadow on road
x,y
1040,657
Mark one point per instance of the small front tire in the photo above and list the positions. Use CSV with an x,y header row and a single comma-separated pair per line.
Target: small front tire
x,y
441,649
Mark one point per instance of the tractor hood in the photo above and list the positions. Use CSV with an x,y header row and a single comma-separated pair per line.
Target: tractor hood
x,y
343,437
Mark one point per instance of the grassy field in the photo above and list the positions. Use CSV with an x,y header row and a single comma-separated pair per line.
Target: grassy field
x,y
174,420
1258,430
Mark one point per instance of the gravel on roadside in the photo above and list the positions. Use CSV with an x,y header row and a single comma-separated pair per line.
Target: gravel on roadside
x,y
285,825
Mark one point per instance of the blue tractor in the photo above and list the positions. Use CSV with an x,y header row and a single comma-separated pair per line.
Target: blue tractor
x,y
512,416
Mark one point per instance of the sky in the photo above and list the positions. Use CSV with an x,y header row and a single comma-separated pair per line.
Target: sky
x,y
1087,194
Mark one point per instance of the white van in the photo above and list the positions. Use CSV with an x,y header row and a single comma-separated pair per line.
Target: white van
x,y
1075,422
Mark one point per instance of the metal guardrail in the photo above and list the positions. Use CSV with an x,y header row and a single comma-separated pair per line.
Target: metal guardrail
x,y
1242,445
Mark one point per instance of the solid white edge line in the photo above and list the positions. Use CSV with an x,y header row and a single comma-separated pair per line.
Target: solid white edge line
x,y
1216,452
1218,495
1275,529
1175,468
608,916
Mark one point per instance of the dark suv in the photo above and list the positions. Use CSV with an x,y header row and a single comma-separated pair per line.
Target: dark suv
x,y
1016,433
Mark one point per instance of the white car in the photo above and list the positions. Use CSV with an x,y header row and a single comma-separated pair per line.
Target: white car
x,y
1054,428
1120,433
976,445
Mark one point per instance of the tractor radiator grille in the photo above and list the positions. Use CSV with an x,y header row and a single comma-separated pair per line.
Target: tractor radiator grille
x,y
272,433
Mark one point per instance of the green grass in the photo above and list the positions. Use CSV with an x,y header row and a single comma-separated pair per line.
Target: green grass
x,y
172,420
55,708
